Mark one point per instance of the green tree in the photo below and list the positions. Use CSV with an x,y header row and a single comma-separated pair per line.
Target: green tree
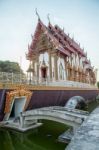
x,y
98,84
8,66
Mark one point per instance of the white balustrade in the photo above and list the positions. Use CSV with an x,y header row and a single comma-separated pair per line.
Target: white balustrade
x,y
6,77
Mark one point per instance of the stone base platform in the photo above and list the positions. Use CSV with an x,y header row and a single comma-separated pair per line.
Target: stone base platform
x,y
87,136
66,136
16,126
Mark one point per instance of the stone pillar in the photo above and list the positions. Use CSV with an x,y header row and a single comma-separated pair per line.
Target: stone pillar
x,y
95,79
21,121
56,66
33,69
37,68
68,73
83,77
50,66
80,77
73,75
77,76
66,69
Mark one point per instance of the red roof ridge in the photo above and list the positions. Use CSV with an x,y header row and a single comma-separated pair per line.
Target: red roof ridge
x,y
52,32
64,44
71,41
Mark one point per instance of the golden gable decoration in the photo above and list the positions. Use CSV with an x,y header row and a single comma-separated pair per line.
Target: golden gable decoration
x,y
16,93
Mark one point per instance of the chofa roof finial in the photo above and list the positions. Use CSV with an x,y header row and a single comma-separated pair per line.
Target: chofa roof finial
x,y
37,14
73,37
48,18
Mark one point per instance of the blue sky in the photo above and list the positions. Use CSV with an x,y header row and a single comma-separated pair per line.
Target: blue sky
x,y
80,18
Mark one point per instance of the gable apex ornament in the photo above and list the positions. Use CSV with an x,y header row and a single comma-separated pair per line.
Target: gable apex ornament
x,y
48,18
37,14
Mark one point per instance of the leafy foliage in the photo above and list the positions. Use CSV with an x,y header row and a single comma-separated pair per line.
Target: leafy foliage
x,y
7,66
98,84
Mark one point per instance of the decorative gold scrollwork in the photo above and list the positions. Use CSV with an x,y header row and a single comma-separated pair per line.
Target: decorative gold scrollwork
x,y
16,93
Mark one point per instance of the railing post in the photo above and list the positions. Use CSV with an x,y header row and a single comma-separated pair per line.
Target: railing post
x,y
21,121
2,77
75,129
12,77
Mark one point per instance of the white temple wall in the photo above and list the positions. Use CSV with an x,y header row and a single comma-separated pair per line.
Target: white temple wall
x,y
73,59
35,68
77,61
80,63
95,71
61,69
83,59
69,59
40,60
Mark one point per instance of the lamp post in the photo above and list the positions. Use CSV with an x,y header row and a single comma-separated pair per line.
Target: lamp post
x,y
20,70
30,70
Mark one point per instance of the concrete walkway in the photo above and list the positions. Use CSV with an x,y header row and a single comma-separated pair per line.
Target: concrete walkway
x,y
87,136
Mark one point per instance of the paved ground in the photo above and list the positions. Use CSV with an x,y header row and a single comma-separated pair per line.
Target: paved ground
x,y
87,136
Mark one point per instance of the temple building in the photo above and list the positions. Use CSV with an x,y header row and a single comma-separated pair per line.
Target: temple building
x,y
54,56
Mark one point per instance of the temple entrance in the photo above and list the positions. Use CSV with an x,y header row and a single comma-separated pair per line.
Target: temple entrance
x,y
17,107
44,72
16,102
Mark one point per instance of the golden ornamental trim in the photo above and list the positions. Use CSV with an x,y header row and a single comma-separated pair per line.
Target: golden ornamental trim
x,y
16,93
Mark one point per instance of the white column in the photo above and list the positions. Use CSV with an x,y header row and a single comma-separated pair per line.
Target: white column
x,y
38,68
50,66
56,66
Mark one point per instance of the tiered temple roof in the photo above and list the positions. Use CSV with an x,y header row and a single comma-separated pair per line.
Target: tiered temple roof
x,y
60,41
59,45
